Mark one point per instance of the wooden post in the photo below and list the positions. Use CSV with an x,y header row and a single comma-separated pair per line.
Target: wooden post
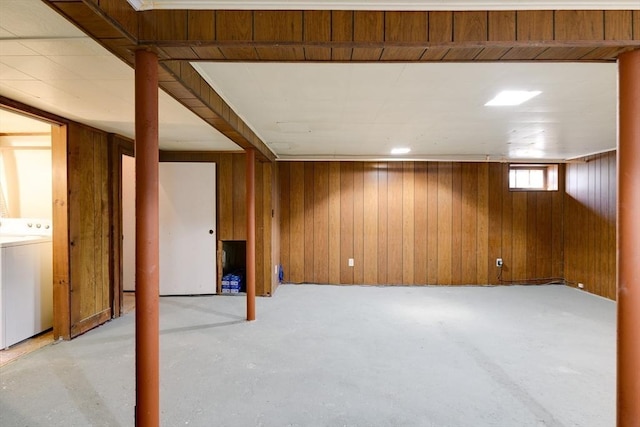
x,y
251,234
628,402
147,237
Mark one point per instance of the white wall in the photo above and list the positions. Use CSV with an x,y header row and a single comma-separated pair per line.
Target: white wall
x,y
128,223
26,175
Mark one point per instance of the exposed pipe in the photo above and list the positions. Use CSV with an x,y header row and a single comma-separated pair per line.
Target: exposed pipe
x,y
147,240
628,386
251,234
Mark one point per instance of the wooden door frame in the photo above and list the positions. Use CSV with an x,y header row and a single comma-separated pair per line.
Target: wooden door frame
x,y
60,213
118,146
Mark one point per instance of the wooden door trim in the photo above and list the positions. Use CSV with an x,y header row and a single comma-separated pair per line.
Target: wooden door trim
x,y
118,146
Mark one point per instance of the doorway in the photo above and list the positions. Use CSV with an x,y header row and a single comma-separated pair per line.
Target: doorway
x,y
26,230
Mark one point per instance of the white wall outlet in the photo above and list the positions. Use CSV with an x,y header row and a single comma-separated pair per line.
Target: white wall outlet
x,y
351,262
581,285
499,262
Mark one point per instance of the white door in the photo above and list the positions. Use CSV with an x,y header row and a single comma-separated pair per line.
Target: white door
x,y
128,223
187,228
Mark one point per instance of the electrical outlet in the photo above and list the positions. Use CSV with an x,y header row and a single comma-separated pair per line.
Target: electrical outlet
x,y
351,262
499,262
581,285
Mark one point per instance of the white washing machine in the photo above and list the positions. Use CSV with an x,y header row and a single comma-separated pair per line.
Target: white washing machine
x,y
26,283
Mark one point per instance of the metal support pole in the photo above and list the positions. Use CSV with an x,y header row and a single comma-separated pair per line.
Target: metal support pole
x,y
251,234
147,252
628,221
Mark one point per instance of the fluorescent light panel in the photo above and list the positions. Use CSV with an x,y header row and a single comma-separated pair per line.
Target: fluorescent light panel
x,y
512,97
400,150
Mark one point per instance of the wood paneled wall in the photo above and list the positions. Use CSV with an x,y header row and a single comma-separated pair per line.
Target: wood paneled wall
x,y
89,228
232,209
415,223
590,224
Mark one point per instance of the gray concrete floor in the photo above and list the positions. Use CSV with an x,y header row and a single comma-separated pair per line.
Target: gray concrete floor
x,y
340,356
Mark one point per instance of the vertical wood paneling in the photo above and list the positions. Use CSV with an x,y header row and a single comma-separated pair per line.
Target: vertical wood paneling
x,y
259,229
440,30
317,28
201,25
239,198
501,26
89,228
285,216
531,235
278,26
519,251
405,27
618,25
334,222
507,231
297,221
456,223
370,223
534,25
394,223
482,254
470,26
469,232
358,222
579,25
544,212
60,234
341,31
321,223
368,26
276,238
408,223
419,223
420,207
589,226
591,223
225,197
383,229
309,224
235,25
346,221
557,227
432,223
445,228
495,220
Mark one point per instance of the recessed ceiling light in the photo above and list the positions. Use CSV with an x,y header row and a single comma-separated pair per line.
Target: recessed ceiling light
x,y
400,150
512,97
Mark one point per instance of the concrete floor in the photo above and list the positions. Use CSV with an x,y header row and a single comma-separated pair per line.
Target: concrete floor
x,y
340,356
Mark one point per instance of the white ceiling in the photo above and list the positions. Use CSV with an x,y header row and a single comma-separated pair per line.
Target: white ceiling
x,y
337,110
48,63
387,4
315,110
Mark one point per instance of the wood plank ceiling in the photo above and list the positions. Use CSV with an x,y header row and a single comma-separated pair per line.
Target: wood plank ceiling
x,y
180,36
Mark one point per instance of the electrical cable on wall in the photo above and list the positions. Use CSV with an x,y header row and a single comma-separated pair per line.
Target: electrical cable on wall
x,y
534,281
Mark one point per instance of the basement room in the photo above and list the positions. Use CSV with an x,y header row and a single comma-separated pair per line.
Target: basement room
x,y
306,213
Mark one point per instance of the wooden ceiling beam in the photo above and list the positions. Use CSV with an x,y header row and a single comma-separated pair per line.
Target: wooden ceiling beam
x,y
116,26
387,36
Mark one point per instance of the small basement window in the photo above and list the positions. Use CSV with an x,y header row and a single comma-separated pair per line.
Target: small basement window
x,y
533,177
